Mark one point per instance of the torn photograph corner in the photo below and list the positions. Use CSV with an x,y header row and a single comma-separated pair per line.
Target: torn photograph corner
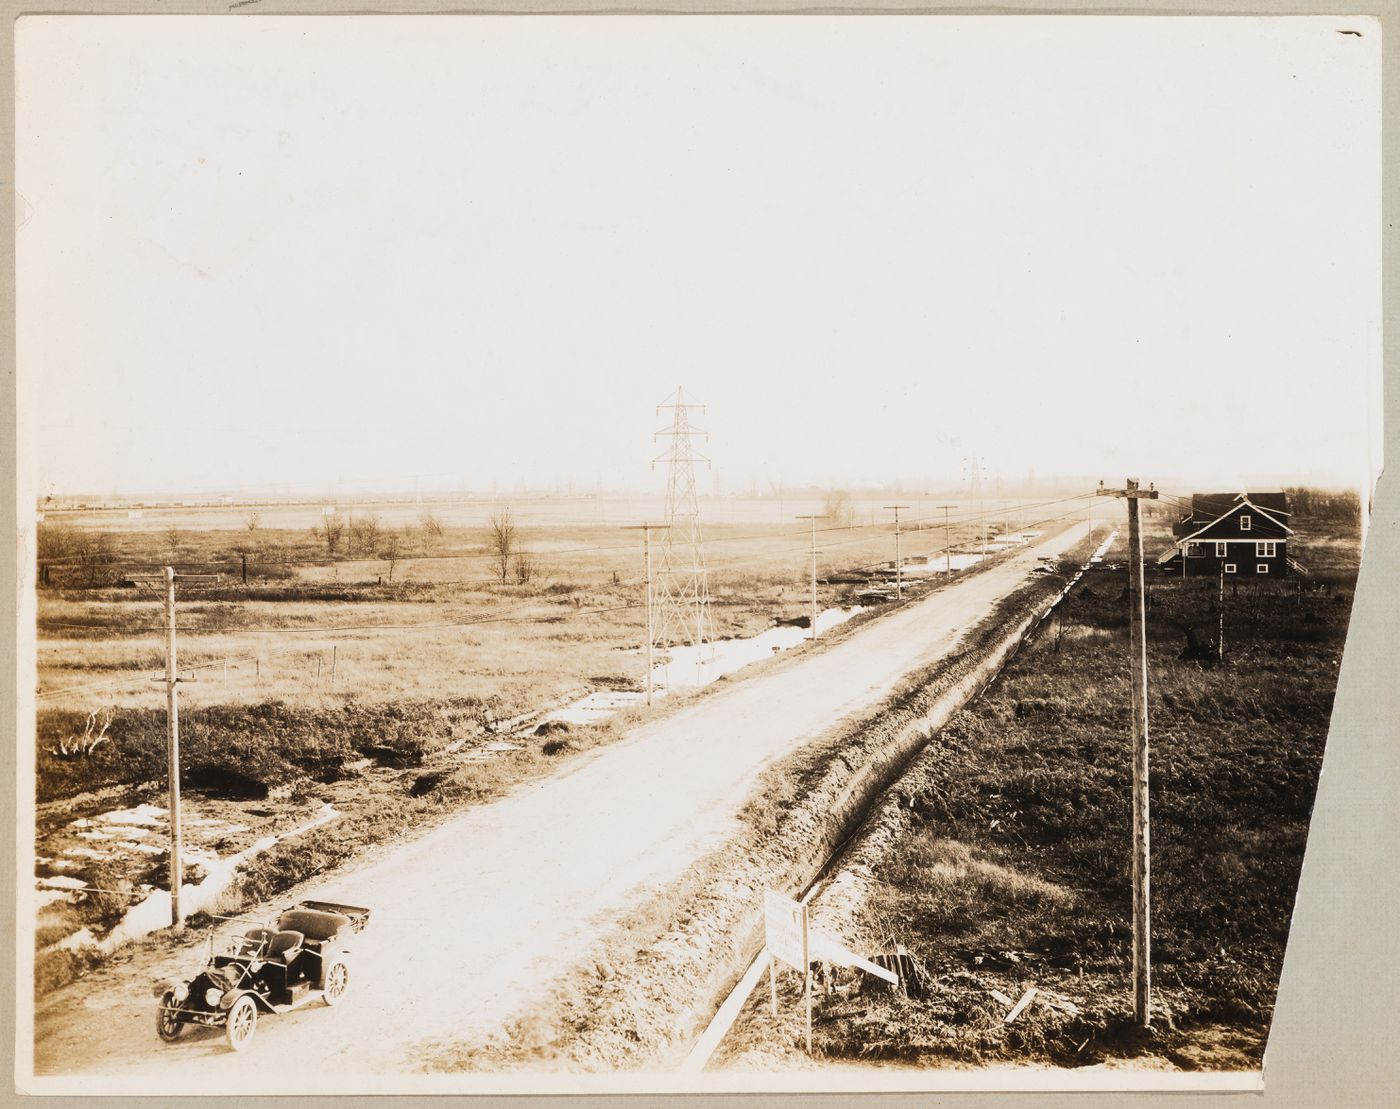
x,y
628,554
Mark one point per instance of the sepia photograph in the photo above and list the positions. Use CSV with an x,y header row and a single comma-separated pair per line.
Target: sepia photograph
x,y
646,554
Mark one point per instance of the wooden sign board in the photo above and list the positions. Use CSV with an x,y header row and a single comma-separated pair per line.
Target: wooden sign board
x,y
783,920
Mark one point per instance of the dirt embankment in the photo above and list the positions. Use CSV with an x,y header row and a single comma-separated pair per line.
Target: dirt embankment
x,y
651,986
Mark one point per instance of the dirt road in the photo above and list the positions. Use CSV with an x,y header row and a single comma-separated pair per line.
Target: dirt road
x,y
474,919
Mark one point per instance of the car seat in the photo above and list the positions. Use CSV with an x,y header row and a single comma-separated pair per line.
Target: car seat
x,y
256,941
285,945
313,924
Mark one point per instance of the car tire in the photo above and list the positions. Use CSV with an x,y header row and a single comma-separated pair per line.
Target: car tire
x,y
242,1023
168,1026
335,982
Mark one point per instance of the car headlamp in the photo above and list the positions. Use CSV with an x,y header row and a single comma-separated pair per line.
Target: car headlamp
x,y
212,996
180,992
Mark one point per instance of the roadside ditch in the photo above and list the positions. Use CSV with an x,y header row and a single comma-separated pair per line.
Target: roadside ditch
x,y
649,989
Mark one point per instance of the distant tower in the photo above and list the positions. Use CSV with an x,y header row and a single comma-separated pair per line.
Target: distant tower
x,y
682,585
975,466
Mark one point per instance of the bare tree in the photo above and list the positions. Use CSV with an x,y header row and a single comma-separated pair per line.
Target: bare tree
x,y
430,528
502,541
331,530
172,542
96,553
838,506
251,519
364,534
391,549
56,541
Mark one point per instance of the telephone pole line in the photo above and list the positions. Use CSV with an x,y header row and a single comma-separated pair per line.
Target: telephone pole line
x,y
645,529
172,681
172,747
947,541
1141,850
975,466
898,562
814,520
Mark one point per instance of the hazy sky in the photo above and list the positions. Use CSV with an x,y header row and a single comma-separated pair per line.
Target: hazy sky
x,y
264,252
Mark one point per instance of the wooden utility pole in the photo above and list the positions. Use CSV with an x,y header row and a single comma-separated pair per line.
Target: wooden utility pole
x,y
645,529
172,747
947,541
807,971
814,520
898,561
1141,850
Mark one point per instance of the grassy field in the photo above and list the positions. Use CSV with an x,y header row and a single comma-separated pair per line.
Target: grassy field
x,y
1000,861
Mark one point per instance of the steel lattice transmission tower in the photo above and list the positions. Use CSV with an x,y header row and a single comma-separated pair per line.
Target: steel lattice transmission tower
x,y
682,584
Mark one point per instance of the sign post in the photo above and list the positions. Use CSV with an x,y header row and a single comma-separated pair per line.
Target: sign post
x,y
790,939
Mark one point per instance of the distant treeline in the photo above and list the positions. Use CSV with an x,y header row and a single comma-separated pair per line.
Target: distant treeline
x,y
1325,504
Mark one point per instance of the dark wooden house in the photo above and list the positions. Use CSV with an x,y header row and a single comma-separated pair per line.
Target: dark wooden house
x,y
1237,534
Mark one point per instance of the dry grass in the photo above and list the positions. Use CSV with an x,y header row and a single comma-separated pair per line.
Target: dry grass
x,y
1009,869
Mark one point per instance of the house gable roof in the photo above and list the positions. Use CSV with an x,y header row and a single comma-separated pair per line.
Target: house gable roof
x,y
1215,505
1243,503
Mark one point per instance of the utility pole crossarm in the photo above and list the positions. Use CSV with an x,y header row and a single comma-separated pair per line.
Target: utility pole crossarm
x,y
1130,491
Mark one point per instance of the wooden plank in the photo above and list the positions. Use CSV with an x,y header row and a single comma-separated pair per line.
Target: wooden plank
x,y
829,949
705,1047
1021,1005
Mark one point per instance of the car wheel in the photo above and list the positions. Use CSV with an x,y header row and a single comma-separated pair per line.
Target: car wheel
x,y
168,1025
336,982
242,1023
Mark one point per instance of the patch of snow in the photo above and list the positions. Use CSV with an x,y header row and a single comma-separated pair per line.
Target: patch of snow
x,y
146,815
689,667
83,937
153,912
61,882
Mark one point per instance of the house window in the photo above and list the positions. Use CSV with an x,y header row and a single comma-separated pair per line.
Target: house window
x,y
1221,550
1229,567
1193,550
1265,550
1262,568
1245,523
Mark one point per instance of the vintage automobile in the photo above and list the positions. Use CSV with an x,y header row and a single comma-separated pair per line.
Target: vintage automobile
x,y
269,970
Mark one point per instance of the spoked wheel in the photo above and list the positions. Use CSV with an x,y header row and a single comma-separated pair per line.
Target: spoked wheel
x,y
337,981
242,1023
168,1024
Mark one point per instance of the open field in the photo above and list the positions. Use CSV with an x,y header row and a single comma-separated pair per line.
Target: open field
x,y
440,621
322,682
1000,860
